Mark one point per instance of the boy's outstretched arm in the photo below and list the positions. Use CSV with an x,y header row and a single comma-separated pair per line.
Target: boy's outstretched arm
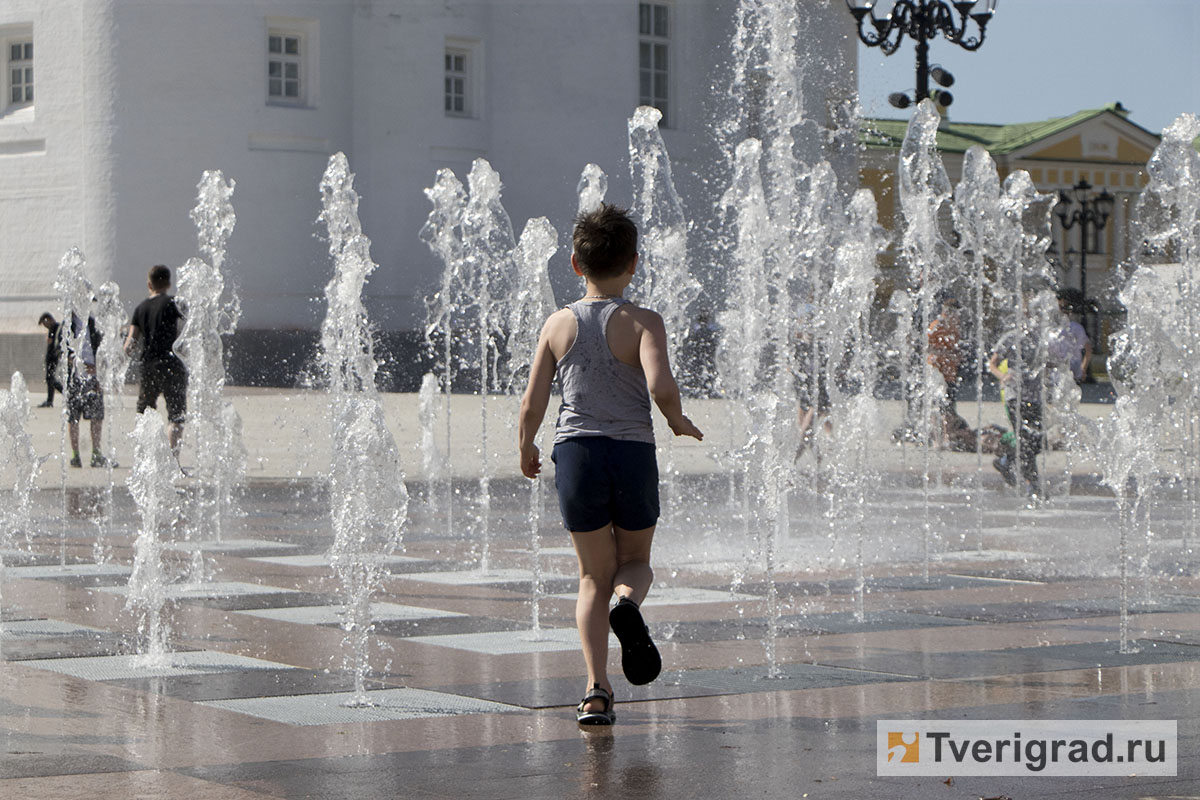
x,y
534,403
652,352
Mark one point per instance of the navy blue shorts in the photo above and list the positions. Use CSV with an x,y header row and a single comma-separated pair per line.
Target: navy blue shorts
x,y
602,481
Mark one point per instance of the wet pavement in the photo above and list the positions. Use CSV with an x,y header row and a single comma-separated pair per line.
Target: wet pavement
x,y
1013,615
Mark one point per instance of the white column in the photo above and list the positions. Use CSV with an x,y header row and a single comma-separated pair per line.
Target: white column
x,y
98,92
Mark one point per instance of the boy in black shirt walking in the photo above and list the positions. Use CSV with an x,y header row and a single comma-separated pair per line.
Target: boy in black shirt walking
x,y
156,323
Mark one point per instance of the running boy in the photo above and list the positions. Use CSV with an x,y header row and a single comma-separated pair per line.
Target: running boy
x,y
610,357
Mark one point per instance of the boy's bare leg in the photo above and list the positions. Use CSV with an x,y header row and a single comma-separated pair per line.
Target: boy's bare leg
x,y
97,431
174,435
73,436
634,575
597,554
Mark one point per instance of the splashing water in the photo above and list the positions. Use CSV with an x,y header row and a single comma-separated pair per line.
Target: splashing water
x,y
369,505
1168,220
850,352
20,458
977,213
665,283
111,367
209,315
151,484
743,349
593,186
368,497
214,218
534,301
347,344
75,296
17,451
1154,359
488,246
924,188
442,232
472,234
785,232
433,462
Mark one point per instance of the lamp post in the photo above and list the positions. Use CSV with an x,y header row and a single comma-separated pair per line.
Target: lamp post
x,y
1077,206
922,20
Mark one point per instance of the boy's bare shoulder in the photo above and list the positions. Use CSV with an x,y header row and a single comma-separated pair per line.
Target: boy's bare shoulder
x,y
558,319
643,317
559,332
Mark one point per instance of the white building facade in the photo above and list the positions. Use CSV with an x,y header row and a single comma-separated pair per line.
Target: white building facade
x,y
112,110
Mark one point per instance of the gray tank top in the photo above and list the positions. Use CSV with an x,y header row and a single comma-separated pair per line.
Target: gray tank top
x,y
601,396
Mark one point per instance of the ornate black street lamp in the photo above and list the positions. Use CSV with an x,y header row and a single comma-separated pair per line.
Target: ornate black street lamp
x,y
922,20
1077,206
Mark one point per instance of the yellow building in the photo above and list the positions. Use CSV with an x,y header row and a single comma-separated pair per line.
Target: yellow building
x,y
1100,146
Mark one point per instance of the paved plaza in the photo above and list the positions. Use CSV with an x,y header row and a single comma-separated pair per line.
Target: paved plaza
x,y
976,607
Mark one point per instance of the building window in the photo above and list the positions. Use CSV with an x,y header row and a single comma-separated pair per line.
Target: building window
x,y
16,56
20,71
457,82
285,67
653,48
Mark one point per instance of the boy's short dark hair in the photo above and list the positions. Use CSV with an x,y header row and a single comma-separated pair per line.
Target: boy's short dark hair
x,y
46,317
605,241
160,277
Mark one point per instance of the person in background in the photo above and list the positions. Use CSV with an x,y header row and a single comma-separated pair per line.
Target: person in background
x,y
1071,345
53,353
84,398
155,324
944,353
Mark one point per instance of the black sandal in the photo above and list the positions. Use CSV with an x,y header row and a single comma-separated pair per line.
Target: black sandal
x,y
639,657
605,717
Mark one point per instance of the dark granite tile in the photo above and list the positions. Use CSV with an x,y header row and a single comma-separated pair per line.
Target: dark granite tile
x,y
725,630
554,692
1012,612
16,764
1018,660
66,647
791,677
228,685
914,583
82,581
8,708
873,621
1159,605
956,664
845,586
441,626
243,602
552,586
26,559
1107,654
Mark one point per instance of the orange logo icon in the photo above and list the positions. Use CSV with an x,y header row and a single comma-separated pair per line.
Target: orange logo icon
x,y
903,747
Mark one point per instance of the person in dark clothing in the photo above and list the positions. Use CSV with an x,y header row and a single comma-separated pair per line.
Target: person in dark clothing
x,y
155,324
53,353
